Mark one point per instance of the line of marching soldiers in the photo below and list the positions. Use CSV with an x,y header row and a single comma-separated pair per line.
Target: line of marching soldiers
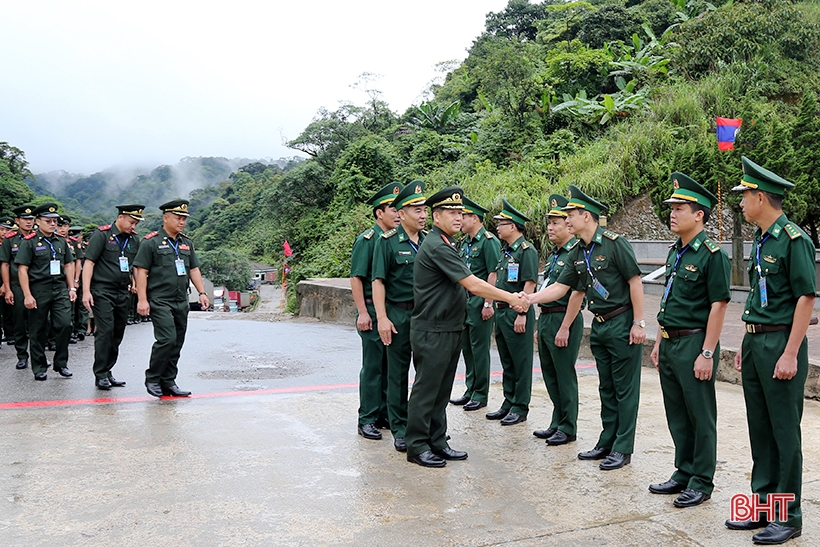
x,y
588,265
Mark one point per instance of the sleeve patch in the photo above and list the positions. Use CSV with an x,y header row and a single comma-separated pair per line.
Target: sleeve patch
x,y
610,235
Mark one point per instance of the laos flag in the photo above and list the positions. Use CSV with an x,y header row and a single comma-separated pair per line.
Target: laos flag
x,y
726,131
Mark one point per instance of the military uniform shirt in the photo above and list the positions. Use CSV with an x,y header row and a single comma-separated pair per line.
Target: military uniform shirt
x,y
393,260
613,263
481,253
522,253
787,262
156,254
361,259
105,247
701,279
8,251
35,252
440,302
557,260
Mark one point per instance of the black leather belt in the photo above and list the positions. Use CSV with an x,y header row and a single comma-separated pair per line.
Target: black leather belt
x,y
501,305
757,329
677,333
554,309
405,305
614,313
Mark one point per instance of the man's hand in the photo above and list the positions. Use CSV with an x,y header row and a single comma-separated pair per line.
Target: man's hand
x,y
520,324
562,337
486,313
703,368
786,367
88,300
72,295
738,364
364,323
637,334
10,297
30,303
204,302
655,355
522,302
143,308
386,331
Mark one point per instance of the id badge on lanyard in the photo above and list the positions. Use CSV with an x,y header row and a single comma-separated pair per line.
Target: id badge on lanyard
x,y
54,267
123,263
764,293
600,289
512,273
180,265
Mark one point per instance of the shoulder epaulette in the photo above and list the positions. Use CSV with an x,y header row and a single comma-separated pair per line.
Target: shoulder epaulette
x,y
134,232
11,234
31,235
671,245
610,235
711,245
525,245
793,231
149,236
574,243
104,228
424,232
73,238
58,235
488,234
369,233
389,233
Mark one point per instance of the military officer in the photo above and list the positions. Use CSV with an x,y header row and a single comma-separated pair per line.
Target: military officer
x,y
393,261
75,237
373,376
106,281
45,268
6,225
687,349
480,249
560,329
436,329
604,266
774,357
164,266
516,271
24,218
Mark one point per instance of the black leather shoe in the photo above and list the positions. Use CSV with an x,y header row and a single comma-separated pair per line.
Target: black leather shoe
x,y
615,460
545,433
102,383
512,418
498,414
746,524
154,389
596,453
73,340
690,498
21,364
399,444
174,391
463,400
114,382
450,454
51,347
9,341
668,487
427,459
382,423
41,376
775,534
64,372
370,431
80,336
560,438
474,405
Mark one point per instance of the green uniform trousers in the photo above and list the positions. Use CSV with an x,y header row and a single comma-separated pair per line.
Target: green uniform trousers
x,y
110,313
52,298
21,327
691,410
619,381
435,357
774,409
170,320
373,376
475,345
398,369
558,369
516,353
8,320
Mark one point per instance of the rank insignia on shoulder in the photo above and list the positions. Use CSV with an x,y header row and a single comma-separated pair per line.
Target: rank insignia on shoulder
x,y
11,234
572,244
691,268
424,232
610,235
31,235
369,233
793,232
711,245
770,259
389,233
104,227
671,245
525,245
488,234
152,234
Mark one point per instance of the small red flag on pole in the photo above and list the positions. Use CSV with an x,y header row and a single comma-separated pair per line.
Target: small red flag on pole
x,y
287,248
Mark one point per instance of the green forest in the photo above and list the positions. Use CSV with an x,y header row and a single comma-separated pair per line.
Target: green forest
x,y
609,95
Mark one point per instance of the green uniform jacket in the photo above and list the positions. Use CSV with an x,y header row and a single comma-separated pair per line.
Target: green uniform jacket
x,y
37,251
361,259
8,252
105,247
481,254
157,255
556,262
522,254
393,260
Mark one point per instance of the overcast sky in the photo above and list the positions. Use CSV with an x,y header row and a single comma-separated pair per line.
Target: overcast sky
x,y
89,84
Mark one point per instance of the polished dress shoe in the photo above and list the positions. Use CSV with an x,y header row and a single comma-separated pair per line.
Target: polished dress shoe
x,y
399,444
102,383
596,453
746,524
498,414
73,340
51,347
427,459
370,431
21,364
154,389
775,534
80,336
41,376
668,487
114,382
450,454
474,405
545,433
560,438
615,460
382,423
460,401
63,371
9,341
690,498
174,391
512,418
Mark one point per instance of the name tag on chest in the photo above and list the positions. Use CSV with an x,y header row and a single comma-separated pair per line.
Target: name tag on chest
x,y
180,266
54,267
123,263
512,273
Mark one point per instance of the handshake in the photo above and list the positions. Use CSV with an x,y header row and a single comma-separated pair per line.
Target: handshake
x,y
519,302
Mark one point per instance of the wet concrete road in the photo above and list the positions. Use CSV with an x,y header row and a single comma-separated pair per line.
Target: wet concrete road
x,y
266,453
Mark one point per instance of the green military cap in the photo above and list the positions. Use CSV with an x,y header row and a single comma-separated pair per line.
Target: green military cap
x,y
447,198
24,211
177,206
410,196
48,210
74,230
385,195
557,204
63,220
134,211
579,200
6,222
470,206
758,178
509,212
686,190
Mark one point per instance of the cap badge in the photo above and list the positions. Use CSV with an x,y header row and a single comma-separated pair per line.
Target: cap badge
x,y
554,203
456,197
51,209
418,188
675,184
396,190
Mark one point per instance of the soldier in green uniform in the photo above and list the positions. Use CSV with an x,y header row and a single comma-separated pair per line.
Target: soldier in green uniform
x,y
107,280
774,357
373,376
163,268
392,275
45,268
560,329
6,225
516,271
480,249
436,329
604,266
687,349
24,218
75,236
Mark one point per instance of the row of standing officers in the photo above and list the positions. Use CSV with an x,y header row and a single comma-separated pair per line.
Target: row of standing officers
x,y
409,289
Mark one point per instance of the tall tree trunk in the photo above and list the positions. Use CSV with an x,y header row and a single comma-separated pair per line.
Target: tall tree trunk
x,y
738,271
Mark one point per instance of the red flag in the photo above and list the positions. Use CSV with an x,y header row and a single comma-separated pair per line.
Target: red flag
x,y
287,248
726,131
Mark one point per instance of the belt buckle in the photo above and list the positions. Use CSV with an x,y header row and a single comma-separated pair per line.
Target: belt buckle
x,y
600,318
664,334
750,328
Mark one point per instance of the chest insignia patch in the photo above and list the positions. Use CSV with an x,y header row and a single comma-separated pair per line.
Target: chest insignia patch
x,y
162,246
691,268
184,247
402,253
600,258
40,248
770,259
560,262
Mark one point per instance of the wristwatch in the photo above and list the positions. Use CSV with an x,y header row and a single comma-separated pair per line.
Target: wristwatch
x,y
203,293
487,305
640,323
707,353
